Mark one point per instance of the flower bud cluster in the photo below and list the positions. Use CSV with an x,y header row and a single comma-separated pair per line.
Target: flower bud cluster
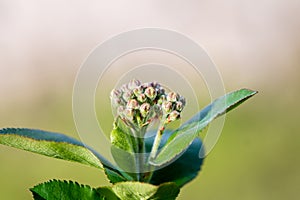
x,y
140,103
172,106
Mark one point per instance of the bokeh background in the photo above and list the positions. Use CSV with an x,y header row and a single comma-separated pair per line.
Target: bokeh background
x,y
255,44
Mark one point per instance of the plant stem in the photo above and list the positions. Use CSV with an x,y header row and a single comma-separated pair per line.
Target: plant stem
x,y
157,140
140,160
154,150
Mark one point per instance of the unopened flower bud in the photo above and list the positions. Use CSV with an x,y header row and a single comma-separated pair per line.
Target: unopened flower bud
x,y
127,96
167,106
133,84
124,88
174,115
142,98
115,94
182,100
179,106
116,98
150,93
137,91
129,113
172,96
132,104
161,90
155,84
115,102
161,99
120,111
145,85
144,109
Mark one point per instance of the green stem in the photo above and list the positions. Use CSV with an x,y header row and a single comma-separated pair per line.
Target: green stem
x,y
157,140
154,150
140,160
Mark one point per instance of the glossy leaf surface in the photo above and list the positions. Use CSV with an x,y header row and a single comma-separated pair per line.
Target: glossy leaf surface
x,y
185,135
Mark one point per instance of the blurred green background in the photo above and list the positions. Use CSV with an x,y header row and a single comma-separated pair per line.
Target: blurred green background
x,y
255,44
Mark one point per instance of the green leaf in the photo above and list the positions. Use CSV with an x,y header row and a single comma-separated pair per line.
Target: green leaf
x,y
125,161
145,191
121,137
124,147
115,177
55,145
184,169
185,135
166,191
64,190
107,193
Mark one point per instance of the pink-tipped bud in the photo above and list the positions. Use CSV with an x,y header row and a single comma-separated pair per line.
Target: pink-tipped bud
x,y
120,109
142,98
172,96
167,106
115,102
129,114
132,104
127,96
133,84
124,88
174,115
150,93
144,109
115,94
137,91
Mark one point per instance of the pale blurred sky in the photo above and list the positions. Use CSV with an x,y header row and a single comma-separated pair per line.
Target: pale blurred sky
x,y
43,43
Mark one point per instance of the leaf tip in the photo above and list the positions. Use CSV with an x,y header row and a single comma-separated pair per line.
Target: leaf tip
x,y
250,91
